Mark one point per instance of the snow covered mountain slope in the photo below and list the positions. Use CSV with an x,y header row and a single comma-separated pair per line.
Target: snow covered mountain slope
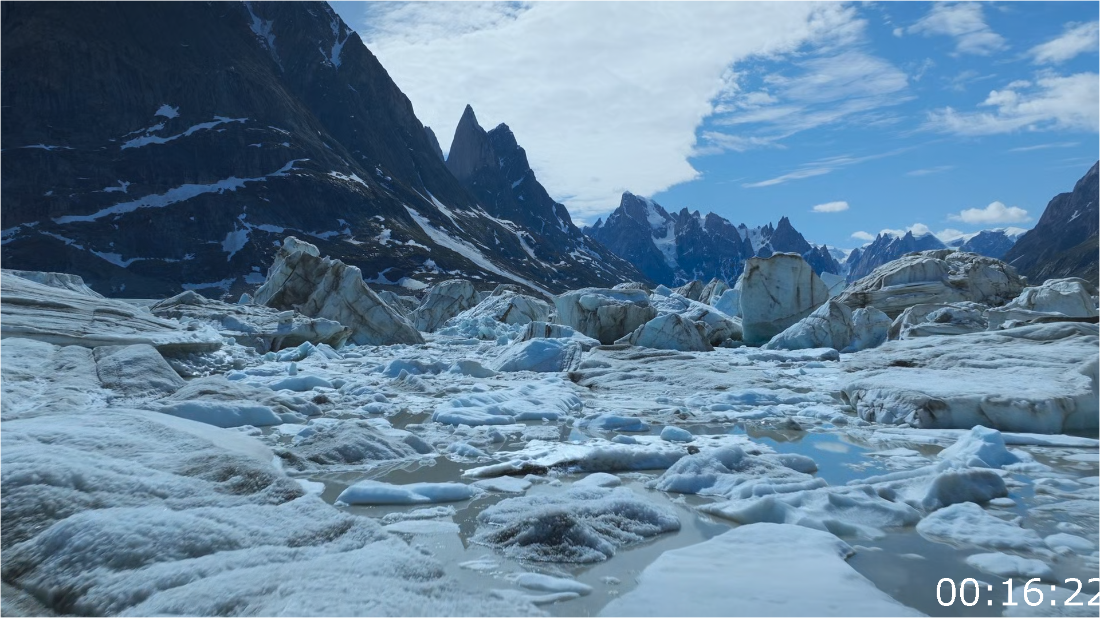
x,y
152,148
673,248
1064,242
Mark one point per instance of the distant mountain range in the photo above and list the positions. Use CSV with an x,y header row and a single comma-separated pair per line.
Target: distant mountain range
x,y
676,248
888,247
156,147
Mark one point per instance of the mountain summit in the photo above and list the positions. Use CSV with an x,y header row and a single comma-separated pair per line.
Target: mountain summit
x,y
494,169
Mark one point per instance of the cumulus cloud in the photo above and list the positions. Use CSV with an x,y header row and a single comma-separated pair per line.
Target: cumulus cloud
x,y
1075,40
831,207
1051,102
965,21
604,96
996,212
863,236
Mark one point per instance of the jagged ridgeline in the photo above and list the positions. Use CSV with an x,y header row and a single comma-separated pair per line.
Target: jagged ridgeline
x,y
676,248
157,147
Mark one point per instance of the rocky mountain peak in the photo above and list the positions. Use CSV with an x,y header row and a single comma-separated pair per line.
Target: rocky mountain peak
x,y
470,148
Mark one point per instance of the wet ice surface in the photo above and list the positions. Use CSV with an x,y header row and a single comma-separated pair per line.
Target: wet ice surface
x,y
779,406
756,436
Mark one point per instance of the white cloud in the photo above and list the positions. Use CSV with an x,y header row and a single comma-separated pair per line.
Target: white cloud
x,y
1077,39
844,85
930,170
822,167
863,236
918,229
599,105
965,22
996,212
1052,102
1043,146
831,207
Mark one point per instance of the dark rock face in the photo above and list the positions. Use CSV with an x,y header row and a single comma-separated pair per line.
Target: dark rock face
x,y
156,147
887,248
676,248
494,169
821,260
1064,241
990,243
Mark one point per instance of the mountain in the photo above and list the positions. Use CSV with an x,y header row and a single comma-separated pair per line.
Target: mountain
x,y
675,248
1064,241
991,243
886,248
494,169
155,147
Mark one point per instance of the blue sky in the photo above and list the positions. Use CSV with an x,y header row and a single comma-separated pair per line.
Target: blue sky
x,y
885,116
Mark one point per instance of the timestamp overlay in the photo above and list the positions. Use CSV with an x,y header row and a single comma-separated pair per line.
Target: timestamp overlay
x,y
1072,596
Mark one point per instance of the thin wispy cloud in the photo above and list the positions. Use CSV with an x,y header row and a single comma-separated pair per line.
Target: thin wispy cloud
x,y
846,85
831,207
1043,146
597,111
822,167
1077,39
965,22
939,169
996,212
863,236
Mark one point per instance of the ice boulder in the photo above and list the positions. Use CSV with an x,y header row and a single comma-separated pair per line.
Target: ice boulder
x,y
260,327
544,330
404,305
692,289
508,308
938,276
1055,298
669,332
61,316
377,492
444,301
717,326
349,443
632,285
1040,378
713,291
834,325
65,281
325,288
927,319
540,355
729,302
776,292
135,372
585,524
829,326
604,314
748,572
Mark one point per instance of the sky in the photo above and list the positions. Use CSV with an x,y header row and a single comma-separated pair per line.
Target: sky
x,y
850,119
